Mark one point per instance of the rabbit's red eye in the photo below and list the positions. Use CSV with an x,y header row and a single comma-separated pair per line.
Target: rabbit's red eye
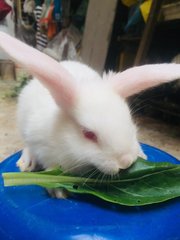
x,y
90,135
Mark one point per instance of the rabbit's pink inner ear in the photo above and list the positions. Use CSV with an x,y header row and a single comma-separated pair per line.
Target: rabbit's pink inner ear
x,y
56,78
137,79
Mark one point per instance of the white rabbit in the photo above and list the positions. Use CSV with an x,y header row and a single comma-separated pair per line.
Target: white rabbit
x,y
95,129
74,118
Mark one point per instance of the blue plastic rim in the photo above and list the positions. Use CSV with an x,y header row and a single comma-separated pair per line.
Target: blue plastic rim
x,y
29,213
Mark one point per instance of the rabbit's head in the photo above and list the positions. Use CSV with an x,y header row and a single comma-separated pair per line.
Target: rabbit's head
x,y
101,132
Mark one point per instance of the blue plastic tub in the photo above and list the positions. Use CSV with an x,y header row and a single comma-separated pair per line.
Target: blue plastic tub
x,y
29,213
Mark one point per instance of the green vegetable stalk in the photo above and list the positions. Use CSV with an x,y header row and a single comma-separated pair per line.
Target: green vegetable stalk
x,y
143,183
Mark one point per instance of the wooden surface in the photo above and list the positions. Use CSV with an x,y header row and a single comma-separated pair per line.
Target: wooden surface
x,y
97,32
7,70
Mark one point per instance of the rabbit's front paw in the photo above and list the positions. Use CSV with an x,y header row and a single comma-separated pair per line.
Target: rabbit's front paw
x,y
26,163
58,193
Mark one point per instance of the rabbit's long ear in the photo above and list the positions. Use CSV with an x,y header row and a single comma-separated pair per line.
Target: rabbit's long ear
x,y
56,78
137,79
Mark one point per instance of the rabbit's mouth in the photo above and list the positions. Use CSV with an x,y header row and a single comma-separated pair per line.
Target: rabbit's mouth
x,y
108,168
113,167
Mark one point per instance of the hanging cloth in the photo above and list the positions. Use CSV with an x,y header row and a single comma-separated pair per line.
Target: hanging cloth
x,y
41,39
57,10
48,24
129,3
144,6
4,9
145,9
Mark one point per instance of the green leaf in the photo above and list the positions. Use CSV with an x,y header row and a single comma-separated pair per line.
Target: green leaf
x,y
143,183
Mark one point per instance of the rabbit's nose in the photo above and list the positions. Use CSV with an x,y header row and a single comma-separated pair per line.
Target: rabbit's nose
x,y
126,161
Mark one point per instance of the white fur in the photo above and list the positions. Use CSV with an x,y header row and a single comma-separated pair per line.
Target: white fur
x,y
52,121
54,139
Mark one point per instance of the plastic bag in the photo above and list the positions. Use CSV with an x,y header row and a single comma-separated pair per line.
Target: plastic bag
x,y
64,45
